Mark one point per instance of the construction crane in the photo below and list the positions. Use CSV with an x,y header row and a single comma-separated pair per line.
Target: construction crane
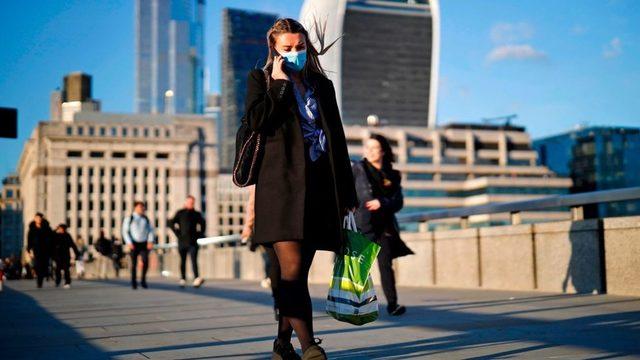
x,y
503,119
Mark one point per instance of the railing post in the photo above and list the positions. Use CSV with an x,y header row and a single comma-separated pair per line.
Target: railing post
x,y
516,219
464,222
577,213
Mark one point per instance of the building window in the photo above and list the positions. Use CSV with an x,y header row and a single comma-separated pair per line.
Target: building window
x,y
79,206
90,222
157,132
69,130
103,131
166,173
162,156
124,172
146,132
135,172
79,171
167,133
113,206
67,171
113,188
90,172
146,172
79,188
74,154
96,154
91,131
79,222
140,155
80,130
118,155
114,131
90,205
68,188
101,172
135,132
113,172
124,132
68,207
101,188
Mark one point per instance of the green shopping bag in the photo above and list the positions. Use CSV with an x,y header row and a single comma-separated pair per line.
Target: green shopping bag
x,y
352,297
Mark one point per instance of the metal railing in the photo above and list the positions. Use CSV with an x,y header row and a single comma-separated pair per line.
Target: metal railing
x,y
574,201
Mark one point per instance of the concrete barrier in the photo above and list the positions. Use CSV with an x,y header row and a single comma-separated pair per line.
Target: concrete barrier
x,y
558,257
457,258
622,254
506,257
568,257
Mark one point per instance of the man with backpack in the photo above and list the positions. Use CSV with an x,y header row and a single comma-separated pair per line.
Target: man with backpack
x,y
138,235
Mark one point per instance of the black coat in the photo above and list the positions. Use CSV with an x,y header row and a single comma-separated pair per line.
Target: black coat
x,y
62,244
188,225
280,186
382,222
40,240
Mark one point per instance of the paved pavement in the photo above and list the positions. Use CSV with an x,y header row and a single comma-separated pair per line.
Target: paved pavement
x,y
234,320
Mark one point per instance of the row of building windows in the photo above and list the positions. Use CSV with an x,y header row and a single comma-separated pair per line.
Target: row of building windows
x,y
123,171
118,131
117,155
485,191
101,205
101,222
123,187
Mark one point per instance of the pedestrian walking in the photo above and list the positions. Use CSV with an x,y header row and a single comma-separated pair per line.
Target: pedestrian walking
x,y
62,245
188,225
81,258
380,196
104,248
138,234
117,253
39,242
305,184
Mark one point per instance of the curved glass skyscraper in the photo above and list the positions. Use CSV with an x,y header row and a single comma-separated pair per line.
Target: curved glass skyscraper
x,y
387,62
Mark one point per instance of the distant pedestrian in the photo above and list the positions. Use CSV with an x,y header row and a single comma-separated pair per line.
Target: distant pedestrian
x,y
304,184
62,245
39,242
104,248
116,255
81,258
380,197
188,225
138,235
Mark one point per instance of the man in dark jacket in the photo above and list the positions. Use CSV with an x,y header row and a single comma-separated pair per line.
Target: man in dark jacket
x,y
39,242
62,244
188,225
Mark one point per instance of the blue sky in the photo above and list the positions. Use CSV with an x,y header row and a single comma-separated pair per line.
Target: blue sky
x,y
554,63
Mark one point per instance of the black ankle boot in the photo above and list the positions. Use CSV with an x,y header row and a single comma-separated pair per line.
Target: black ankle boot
x,y
283,351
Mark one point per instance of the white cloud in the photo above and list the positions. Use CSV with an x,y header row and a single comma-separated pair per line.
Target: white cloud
x,y
506,33
515,52
613,48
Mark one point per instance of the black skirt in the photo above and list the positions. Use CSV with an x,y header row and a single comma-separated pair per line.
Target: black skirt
x,y
321,214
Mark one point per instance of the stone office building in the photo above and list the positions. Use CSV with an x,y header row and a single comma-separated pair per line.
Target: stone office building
x,y
88,172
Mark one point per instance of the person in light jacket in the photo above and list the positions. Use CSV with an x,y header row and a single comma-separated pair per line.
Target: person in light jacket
x,y
380,196
138,234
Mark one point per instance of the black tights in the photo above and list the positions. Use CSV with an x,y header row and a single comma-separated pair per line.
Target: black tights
x,y
293,296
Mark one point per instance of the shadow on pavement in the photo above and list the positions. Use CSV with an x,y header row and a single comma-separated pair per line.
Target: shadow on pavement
x,y
615,334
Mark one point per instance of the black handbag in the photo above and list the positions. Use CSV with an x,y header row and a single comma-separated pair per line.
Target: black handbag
x,y
249,150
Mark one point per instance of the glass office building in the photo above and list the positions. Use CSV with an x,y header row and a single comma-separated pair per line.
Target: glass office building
x,y
169,56
386,63
244,47
596,158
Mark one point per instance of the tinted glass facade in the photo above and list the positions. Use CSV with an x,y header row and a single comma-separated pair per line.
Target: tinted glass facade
x,y
243,49
386,64
596,158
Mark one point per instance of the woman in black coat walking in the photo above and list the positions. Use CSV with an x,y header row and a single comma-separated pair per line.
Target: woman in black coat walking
x,y
305,184
62,244
39,242
380,196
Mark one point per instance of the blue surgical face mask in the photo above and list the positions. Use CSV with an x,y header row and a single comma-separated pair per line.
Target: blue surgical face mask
x,y
295,60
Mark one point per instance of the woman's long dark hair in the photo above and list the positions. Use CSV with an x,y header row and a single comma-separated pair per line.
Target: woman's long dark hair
x,y
388,156
291,26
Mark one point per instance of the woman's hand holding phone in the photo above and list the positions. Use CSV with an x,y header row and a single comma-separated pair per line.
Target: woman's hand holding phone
x,y
277,72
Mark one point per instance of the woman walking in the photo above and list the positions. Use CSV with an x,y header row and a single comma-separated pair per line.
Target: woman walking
x,y
305,184
380,196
